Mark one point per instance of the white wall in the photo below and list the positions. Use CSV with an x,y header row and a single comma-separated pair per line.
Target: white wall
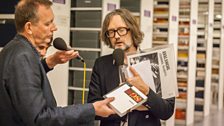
x,y
59,76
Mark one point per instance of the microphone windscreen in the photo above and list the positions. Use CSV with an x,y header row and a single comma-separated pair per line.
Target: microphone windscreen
x,y
60,44
118,56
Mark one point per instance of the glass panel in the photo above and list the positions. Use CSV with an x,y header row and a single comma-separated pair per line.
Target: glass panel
x,y
89,58
90,19
75,97
8,6
7,32
86,3
132,5
86,39
76,78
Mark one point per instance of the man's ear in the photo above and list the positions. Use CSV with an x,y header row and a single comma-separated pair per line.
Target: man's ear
x,y
28,28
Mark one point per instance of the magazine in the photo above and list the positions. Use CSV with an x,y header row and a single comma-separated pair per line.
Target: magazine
x,y
127,98
157,68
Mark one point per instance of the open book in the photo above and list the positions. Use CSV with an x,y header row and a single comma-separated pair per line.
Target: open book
x,y
127,98
157,68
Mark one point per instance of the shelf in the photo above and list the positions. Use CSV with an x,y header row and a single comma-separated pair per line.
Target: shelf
x,y
7,16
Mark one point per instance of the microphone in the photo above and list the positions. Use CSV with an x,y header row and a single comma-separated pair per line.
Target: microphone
x,y
118,60
118,57
60,44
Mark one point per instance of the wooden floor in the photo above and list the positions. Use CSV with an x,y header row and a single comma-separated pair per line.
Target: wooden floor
x,y
216,118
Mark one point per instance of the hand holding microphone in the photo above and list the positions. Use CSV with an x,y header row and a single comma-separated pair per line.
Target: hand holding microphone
x,y
60,44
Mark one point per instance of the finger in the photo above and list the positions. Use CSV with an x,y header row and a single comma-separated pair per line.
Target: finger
x,y
134,72
108,100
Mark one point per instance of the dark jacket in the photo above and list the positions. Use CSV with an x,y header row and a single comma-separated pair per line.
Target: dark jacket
x,y
26,98
105,77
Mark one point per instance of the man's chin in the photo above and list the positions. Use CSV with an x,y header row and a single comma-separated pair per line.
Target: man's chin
x,y
119,47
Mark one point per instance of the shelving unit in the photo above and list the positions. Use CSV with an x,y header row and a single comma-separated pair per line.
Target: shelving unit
x,y
216,53
204,58
7,27
86,20
221,62
165,29
186,62
3,20
182,60
160,22
217,67
201,57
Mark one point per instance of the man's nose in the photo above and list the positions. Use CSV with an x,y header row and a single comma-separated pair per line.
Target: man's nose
x,y
116,35
54,27
43,53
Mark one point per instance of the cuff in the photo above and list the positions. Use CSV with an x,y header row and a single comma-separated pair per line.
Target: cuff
x,y
44,64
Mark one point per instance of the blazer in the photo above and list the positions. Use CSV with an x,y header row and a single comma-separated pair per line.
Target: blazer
x,y
105,77
26,98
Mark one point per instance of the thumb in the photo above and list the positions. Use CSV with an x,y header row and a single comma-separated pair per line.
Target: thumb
x,y
108,100
134,72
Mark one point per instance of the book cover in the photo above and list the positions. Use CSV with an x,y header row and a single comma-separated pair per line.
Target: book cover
x,y
127,98
157,67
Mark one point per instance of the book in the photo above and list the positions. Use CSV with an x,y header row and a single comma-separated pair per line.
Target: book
x,y
157,68
127,98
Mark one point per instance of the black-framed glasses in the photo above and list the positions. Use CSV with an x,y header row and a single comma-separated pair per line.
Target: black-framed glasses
x,y
121,31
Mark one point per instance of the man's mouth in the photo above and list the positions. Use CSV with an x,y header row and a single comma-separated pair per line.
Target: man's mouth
x,y
119,43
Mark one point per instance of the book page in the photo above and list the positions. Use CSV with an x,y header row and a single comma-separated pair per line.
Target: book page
x,y
144,70
162,69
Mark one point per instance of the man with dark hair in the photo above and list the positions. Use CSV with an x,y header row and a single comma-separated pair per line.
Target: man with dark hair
x,y
120,30
25,91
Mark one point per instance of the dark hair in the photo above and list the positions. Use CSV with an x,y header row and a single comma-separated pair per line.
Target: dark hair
x,y
26,10
131,23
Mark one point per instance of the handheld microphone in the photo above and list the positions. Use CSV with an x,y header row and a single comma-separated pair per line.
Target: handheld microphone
x,y
118,59
60,44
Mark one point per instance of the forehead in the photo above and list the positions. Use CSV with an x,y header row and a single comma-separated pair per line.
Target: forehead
x,y
45,13
116,21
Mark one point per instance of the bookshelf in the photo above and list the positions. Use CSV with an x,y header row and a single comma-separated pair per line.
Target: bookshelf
x,y
160,22
216,53
182,60
221,63
187,36
7,27
165,29
217,67
85,25
204,58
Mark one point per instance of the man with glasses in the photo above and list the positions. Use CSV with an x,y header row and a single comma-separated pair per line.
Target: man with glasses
x,y
120,30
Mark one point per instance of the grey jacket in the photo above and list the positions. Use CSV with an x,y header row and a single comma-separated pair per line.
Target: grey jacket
x,y
26,98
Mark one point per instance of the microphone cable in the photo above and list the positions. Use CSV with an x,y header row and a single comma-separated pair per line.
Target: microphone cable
x,y
60,44
84,83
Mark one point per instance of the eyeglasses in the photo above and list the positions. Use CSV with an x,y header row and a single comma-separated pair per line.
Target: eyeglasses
x,y
121,31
